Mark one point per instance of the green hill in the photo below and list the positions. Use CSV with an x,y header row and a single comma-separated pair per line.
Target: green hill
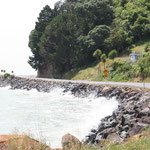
x,y
65,38
123,73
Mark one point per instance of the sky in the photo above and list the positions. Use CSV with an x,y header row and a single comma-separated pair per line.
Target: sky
x,y
17,19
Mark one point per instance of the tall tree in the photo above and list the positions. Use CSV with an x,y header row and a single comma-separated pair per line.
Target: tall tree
x,y
45,16
58,42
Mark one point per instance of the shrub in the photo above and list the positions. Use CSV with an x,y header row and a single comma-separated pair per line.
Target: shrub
x,y
147,47
112,54
6,75
144,66
116,64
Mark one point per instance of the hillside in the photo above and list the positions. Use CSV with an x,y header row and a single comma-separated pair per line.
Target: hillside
x,y
91,73
66,37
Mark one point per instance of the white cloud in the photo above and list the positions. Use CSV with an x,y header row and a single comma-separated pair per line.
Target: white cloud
x,y
17,19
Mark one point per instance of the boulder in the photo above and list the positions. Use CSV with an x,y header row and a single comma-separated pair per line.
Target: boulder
x,y
8,142
114,138
69,142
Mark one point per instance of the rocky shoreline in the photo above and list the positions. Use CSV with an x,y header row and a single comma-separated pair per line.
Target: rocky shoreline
x,y
131,116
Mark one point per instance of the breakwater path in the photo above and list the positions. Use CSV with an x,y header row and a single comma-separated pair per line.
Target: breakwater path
x,y
140,85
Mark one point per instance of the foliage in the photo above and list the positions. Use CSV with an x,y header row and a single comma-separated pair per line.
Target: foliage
x,y
103,58
45,16
143,65
58,44
112,54
6,75
116,64
97,53
67,36
147,47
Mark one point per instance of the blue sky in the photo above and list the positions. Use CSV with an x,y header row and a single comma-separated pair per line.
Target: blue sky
x,y
17,20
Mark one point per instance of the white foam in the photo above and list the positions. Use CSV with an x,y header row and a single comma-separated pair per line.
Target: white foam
x,y
51,114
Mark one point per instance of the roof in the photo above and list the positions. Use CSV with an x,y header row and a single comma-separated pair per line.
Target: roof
x,y
134,54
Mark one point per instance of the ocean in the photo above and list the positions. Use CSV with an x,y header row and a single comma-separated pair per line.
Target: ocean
x,y
49,116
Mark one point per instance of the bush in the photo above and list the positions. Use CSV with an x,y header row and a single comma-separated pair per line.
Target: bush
x,y
144,66
116,64
147,47
6,75
112,54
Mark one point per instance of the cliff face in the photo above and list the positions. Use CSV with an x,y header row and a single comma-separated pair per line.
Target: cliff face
x,y
46,72
131,116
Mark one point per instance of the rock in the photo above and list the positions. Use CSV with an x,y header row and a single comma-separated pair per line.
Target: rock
x,y
132,114
106,91
98,138
145,120
114,138
91,137
146,111
20,141
123,134
135,129
93,130
69,141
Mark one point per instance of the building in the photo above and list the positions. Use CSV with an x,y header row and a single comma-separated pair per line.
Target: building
x,y
134,57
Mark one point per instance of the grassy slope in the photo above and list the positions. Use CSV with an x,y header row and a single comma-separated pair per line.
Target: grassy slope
x,y
137,142
91,73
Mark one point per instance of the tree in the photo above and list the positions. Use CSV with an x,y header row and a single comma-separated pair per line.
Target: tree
x,y
97,54
103,59
45,17
94,13
112,54
94,40
58,43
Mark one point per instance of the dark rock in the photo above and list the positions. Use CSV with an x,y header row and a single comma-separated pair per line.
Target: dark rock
x,y
98,138
93,130
91,137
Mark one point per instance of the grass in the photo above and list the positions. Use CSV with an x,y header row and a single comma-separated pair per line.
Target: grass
x,y
24,142
139,46
137,142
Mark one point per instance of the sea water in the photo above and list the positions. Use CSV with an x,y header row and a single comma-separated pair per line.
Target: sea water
x,y
49,116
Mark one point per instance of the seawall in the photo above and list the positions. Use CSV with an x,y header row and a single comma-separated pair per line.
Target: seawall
x,y
131,116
